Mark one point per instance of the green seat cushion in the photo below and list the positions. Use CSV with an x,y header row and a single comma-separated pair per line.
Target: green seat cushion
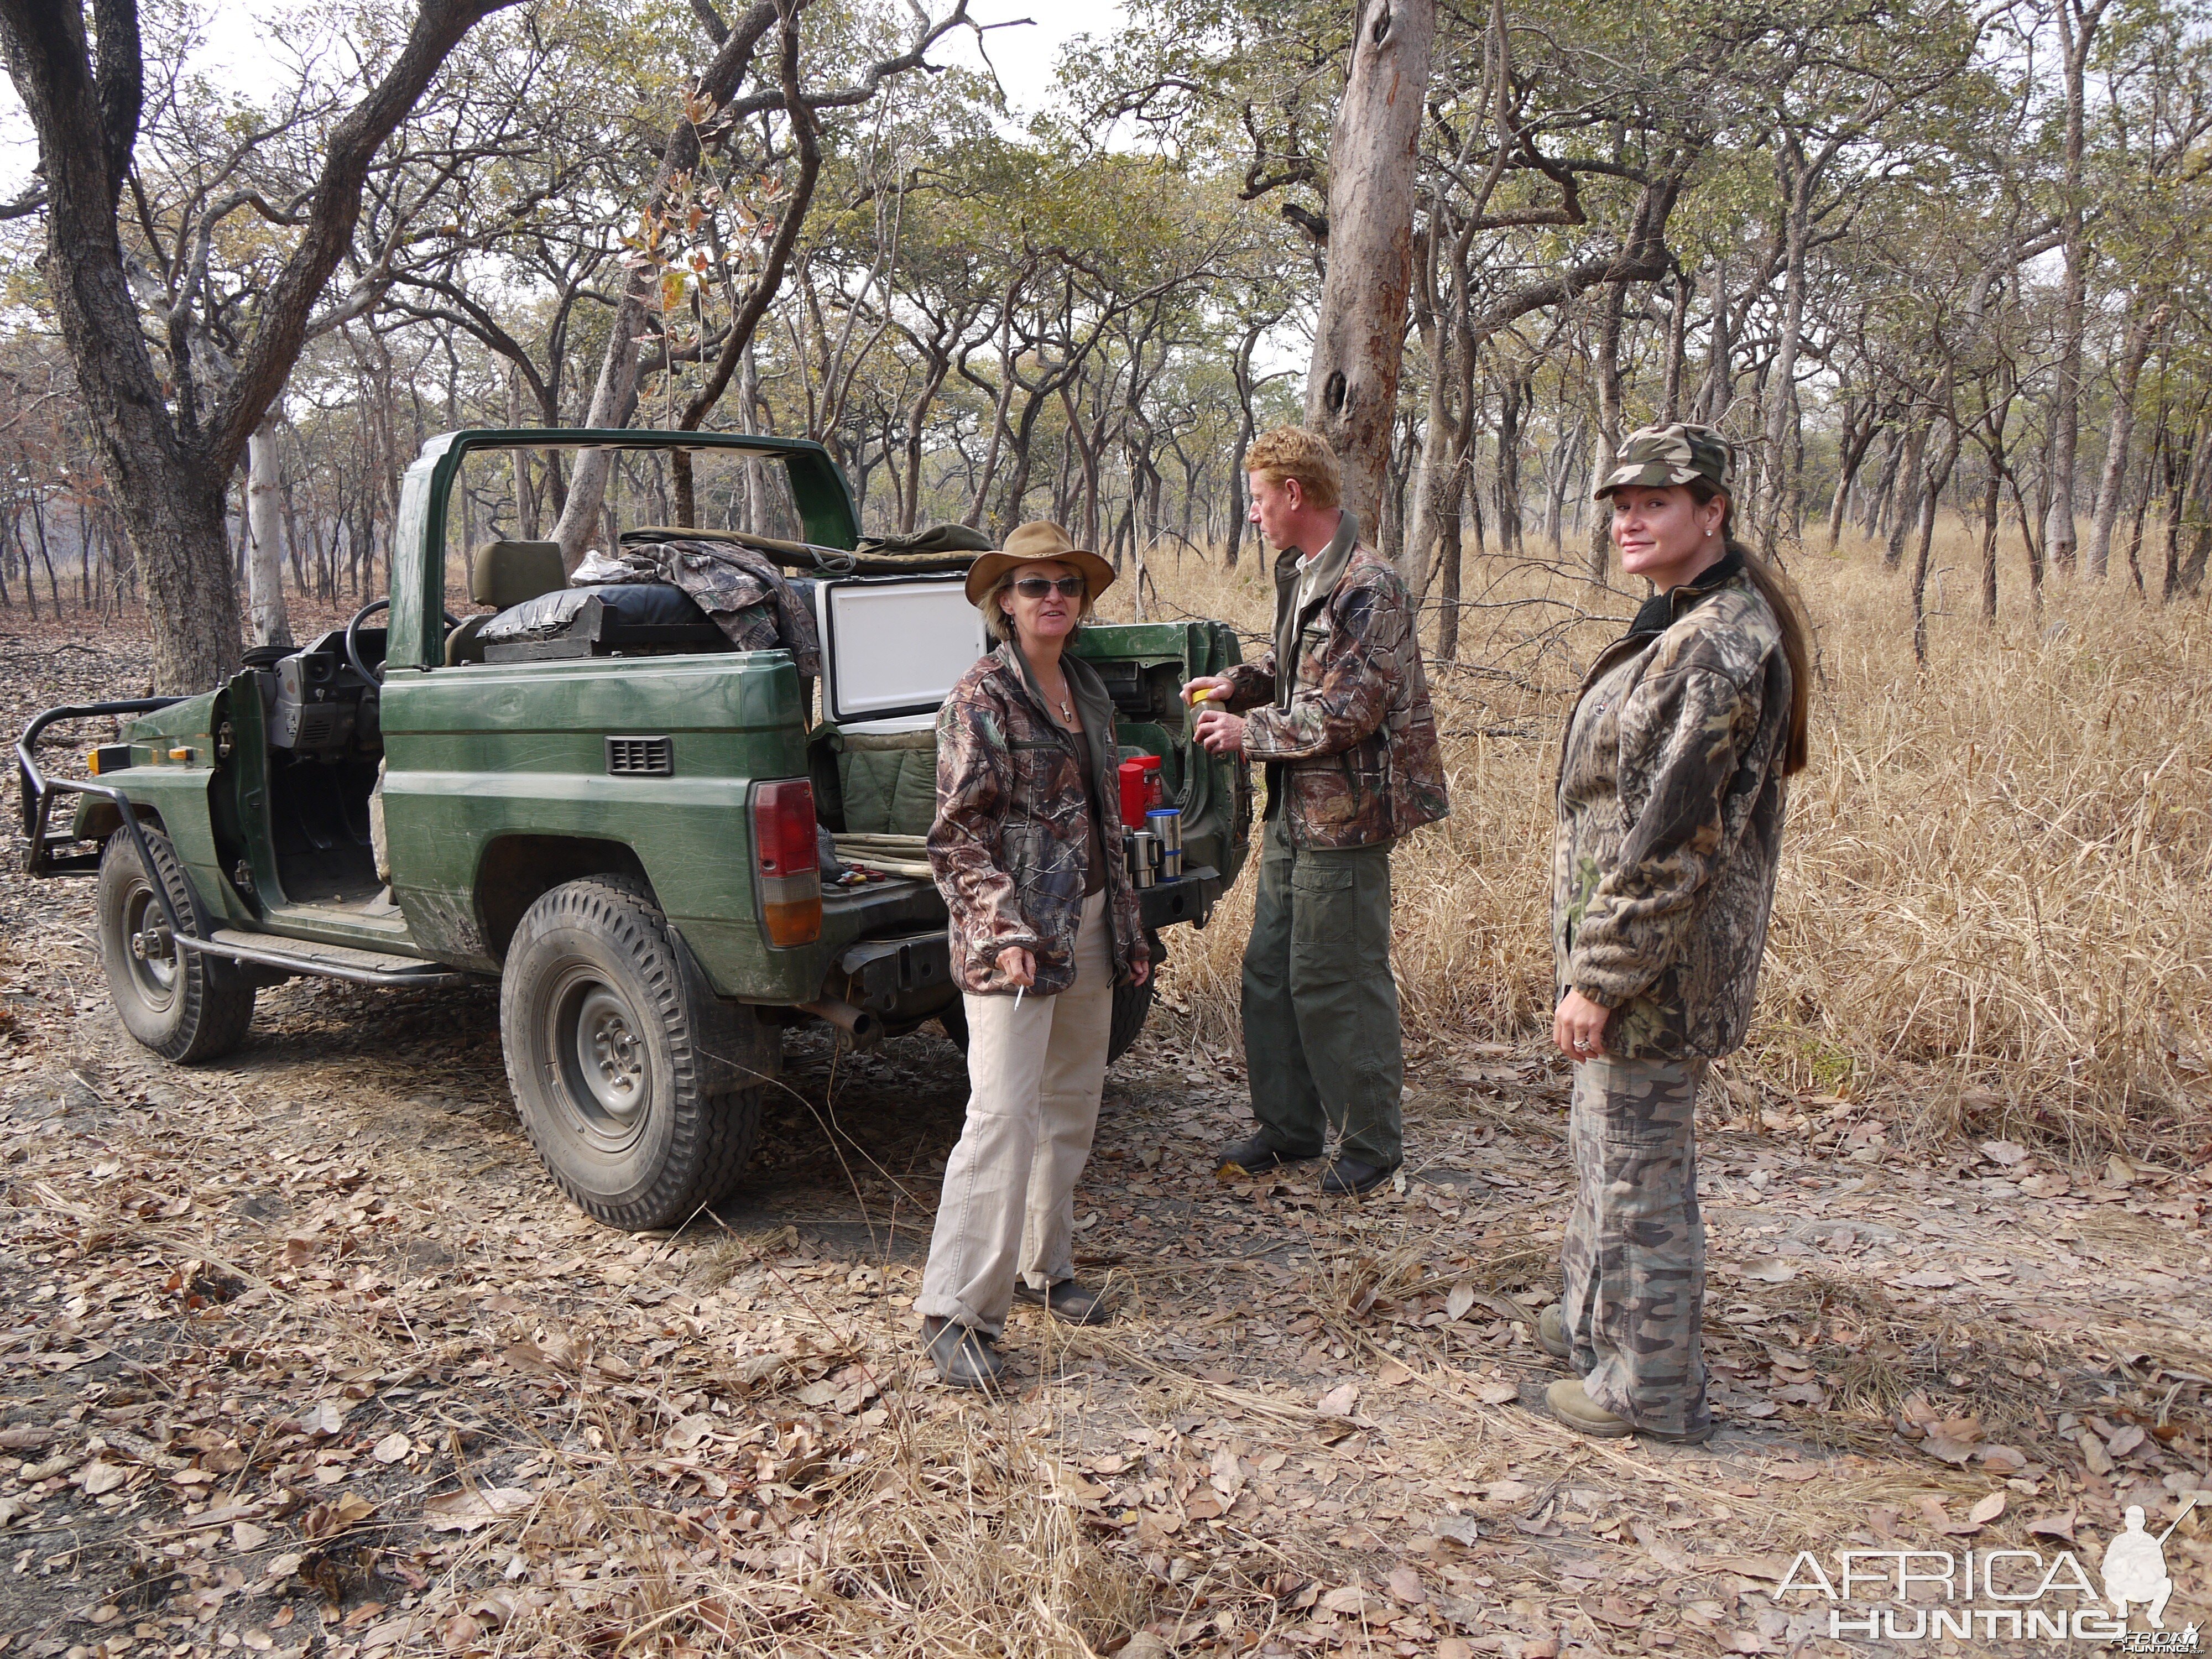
x,y
889,781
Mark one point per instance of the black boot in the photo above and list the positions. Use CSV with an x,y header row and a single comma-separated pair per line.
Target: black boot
x,y
965,1358
1348,1177
1068,1302
1255,1154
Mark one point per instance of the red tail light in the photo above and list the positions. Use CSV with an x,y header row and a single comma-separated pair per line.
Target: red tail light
x,y
789,871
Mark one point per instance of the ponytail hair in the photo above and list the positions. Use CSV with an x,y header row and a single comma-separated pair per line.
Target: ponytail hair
x,y
1782,599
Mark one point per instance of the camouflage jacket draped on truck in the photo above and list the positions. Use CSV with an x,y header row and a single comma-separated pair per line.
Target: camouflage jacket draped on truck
x,y
1669,825
1010,844
1348,735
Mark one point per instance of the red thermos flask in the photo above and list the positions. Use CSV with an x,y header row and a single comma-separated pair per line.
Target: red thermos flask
x,y
1141,789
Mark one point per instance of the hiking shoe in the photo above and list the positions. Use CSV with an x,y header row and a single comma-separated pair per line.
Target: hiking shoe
x,y
1068,1302
1566,1400
1348,1177
965,1358
1552,1334
1255,1154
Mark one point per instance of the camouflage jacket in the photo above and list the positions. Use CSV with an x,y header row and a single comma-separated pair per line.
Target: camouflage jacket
x,y
743,591
1010,844
1669,826
1348,735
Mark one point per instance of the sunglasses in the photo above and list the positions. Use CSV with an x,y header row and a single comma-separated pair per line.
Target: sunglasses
x,y
1035,587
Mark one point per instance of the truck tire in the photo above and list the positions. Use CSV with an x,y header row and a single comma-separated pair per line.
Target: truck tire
x,y
603,1052
185,1005
1132,1003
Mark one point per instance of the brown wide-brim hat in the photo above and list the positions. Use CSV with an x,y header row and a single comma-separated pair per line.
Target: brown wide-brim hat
x,y
1036,540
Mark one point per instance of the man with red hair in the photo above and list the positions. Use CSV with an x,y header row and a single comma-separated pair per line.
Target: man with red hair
x,y
1338,711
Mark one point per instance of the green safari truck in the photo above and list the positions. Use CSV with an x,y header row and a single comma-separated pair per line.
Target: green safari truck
x,y
593,797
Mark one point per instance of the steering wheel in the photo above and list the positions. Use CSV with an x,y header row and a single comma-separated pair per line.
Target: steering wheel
x,y
375,676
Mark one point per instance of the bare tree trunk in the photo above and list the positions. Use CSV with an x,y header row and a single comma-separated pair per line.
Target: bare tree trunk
x,y
1448,555
1904,504
2128,376
2077,29
1940,476
1800,176
266,616
1719,386
1990,501
1509,464
1678,329
1608,371
1351,385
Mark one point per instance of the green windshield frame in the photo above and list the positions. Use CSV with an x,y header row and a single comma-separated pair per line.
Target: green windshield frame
x,y
417,635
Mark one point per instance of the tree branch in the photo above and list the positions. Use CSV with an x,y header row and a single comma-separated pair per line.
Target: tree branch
x,y
332,212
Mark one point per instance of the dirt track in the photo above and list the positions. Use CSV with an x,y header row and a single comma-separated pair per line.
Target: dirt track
x,y
302,1353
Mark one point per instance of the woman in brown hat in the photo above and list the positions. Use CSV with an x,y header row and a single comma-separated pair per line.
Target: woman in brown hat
x,y
1027,851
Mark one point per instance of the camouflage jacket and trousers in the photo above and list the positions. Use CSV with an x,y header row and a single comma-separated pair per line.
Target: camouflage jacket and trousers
x,y
1663,859
1338,711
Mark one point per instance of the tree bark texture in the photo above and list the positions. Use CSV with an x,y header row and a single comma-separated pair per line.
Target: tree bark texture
x,y
1607,371
1351,385
267,619
2077,27
2128,375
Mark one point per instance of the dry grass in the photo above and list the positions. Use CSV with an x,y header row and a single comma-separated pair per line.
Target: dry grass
x,y
1991,913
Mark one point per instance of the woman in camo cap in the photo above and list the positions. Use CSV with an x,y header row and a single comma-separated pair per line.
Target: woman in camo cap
x,y
1669,808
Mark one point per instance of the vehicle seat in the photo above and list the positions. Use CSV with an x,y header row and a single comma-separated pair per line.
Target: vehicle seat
x,y
502,575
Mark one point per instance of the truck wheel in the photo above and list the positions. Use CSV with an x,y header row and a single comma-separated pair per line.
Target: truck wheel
x,y
185,1005
953,1017
603,1047
1133,1002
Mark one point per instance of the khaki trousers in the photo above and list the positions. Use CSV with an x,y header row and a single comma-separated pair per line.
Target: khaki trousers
x,y
1035,1074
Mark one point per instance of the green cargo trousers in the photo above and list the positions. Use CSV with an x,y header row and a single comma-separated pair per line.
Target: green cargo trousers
x,y
1322,1042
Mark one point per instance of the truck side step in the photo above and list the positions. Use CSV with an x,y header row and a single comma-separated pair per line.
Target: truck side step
x,y
297,956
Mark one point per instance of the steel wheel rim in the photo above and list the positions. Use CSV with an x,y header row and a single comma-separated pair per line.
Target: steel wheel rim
x,y
599,1047
148,952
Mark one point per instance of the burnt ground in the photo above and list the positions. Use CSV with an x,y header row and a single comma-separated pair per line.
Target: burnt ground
x,y
299,1352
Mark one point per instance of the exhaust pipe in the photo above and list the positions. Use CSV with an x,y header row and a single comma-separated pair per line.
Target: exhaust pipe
x,y
858,1023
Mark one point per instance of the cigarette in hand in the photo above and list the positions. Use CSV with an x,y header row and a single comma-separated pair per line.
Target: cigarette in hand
x,y
1019,989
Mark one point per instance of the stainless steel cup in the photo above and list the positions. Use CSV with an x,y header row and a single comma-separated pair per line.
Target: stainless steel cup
x,y
1144,858
1166,823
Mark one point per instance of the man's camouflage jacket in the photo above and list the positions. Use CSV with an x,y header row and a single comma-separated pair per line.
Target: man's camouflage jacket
x,y
1669,825
1348,737
1010,844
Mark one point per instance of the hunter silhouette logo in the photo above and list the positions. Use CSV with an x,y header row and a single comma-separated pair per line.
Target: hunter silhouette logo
x,y
2135,1567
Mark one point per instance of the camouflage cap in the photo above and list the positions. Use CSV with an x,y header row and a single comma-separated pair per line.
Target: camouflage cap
x,y
1654,457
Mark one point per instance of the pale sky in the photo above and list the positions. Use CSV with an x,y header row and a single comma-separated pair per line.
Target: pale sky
x,y
1025,57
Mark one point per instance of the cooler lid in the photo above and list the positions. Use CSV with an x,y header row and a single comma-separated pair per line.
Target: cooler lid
x,y
893,645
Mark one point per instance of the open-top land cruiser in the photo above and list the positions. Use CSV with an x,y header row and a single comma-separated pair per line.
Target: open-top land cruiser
x,y
598,800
